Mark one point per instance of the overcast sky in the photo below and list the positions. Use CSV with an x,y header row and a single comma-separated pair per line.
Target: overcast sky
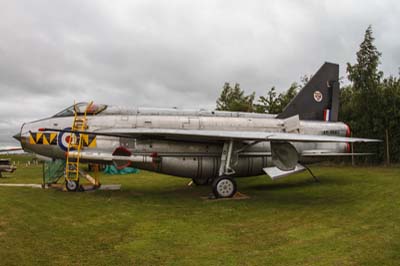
x,y
173,53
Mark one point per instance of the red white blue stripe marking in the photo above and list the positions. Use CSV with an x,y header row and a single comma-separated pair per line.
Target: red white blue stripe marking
x,y
327,115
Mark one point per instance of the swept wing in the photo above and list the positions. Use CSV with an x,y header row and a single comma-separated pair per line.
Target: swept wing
x,y
196,134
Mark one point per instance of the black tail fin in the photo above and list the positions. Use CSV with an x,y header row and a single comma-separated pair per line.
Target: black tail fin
x,y
319,98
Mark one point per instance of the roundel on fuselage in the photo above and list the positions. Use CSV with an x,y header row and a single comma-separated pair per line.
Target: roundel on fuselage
x,y
64,138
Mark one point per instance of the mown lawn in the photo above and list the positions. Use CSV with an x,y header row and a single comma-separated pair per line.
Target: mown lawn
x,y
351,217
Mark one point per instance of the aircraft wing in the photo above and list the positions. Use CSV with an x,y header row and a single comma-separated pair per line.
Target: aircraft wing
x,y
235,135
196,134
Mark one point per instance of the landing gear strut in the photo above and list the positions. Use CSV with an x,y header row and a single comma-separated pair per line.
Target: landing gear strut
x,y
225,186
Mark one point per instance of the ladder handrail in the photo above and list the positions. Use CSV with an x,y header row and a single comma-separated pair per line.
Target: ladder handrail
x,y
72,142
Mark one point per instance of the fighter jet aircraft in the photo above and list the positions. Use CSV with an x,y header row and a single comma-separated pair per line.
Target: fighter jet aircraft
x,y
207,146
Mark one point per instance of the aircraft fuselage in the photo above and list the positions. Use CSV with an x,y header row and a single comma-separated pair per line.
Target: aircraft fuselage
x,y
187,157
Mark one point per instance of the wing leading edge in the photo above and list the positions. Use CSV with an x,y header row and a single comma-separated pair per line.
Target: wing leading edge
x,y
216,135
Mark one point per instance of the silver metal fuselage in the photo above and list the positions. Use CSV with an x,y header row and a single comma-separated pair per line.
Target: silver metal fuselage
x,y
186,157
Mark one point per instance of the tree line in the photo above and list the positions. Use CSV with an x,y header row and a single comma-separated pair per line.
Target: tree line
x,y
369,104
235,99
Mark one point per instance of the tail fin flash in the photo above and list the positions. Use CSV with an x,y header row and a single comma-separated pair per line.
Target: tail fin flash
x,y
319,98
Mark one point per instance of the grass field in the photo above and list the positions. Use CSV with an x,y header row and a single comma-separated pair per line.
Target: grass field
x,y
351,217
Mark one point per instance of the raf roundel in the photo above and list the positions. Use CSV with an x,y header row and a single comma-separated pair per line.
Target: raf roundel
x,y
318,96
64,138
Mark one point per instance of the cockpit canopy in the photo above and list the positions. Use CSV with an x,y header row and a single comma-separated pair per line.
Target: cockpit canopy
x,y
80,109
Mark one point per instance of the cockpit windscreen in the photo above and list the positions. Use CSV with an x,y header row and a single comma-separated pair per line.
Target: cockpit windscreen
x,y
80,108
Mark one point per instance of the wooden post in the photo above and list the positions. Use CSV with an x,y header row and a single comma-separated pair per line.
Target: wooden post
x,y
43,175
387,148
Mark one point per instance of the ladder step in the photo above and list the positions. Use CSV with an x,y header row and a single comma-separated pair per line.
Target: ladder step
x,y
75,146
73,172
81,128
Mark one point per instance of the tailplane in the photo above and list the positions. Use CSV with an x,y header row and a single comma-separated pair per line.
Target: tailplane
x,y
319,98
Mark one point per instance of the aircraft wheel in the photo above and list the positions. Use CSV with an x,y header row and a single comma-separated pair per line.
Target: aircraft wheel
x,y
224,187
200,182
72,185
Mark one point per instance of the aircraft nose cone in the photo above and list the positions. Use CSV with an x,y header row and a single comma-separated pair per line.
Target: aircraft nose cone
x,y
17,137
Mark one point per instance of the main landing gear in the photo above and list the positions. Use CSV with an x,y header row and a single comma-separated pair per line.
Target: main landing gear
x,y
224,186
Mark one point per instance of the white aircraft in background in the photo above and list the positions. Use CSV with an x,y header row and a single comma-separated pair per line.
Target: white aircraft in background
x,y
10,149
5,164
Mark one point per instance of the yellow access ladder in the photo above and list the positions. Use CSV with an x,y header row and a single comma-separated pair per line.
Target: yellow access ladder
x,y
75,143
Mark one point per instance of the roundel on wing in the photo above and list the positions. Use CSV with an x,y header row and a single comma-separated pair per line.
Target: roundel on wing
x,y
64,138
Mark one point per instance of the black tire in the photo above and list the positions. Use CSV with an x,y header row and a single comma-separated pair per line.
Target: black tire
x,y
72,185
201,182
224,187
